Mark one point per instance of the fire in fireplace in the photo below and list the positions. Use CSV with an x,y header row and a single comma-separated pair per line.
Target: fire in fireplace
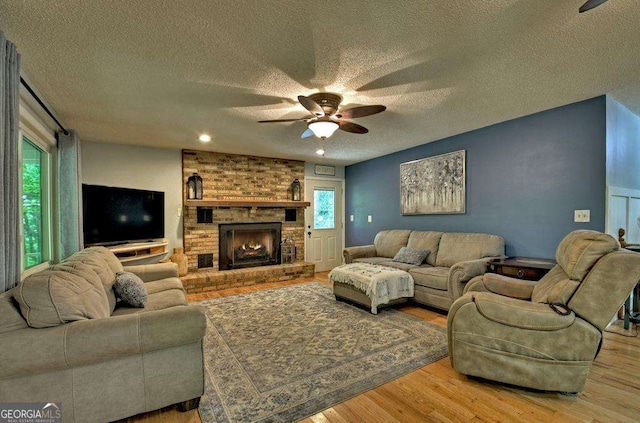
x,y
249,244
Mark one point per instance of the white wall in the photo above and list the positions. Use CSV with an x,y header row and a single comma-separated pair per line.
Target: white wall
x,y
148,168
623,146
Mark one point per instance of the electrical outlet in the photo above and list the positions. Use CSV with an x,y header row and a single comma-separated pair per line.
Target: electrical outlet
x,y
582,215
350,218
369,219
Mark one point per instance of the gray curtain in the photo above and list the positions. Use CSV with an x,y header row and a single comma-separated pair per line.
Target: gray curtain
x,y
10,254
69,195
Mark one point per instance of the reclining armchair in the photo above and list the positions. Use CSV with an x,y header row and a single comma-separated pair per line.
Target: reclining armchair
x,y
543,335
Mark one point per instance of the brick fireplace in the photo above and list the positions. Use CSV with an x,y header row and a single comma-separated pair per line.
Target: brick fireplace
x,y
240,190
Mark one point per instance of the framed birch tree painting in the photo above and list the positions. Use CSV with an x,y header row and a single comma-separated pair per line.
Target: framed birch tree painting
x,y
434,185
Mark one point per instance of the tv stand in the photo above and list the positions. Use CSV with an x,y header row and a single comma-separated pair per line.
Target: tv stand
x,y
140,252
113,244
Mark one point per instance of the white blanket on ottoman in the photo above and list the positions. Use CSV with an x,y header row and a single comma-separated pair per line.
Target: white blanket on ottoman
x,y
380,283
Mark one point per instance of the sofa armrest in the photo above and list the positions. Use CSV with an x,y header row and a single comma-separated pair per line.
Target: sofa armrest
x,y
520,313
351,253
99,340
462,272
503,285
29,351
154,272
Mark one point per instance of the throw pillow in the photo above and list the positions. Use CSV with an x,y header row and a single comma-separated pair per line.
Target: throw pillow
x,y
411,255
130,289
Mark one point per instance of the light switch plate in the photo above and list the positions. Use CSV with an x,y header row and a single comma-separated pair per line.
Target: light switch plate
x,y
369,219
582,215
350,218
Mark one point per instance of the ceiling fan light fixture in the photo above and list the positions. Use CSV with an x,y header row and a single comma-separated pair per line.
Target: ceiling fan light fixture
x,y
323,128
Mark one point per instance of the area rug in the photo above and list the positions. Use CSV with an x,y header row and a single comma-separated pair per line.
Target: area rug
x,y
283,354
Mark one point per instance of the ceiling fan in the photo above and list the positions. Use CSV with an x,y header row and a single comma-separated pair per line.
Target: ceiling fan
x,y
590,4
326,118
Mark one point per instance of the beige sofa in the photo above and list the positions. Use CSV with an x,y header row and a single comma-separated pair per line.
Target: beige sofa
x,y
504,329
65,340
454,258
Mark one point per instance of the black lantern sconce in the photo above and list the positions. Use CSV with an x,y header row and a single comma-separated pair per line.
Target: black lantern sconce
x,y
295,190
194,187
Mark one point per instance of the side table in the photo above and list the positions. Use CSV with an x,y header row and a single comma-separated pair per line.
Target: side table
x,y
531,269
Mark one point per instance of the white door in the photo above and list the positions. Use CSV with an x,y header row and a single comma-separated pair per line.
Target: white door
x,y
623,212
323,223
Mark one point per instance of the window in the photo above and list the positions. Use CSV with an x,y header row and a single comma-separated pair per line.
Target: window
x,y
35,195
324,208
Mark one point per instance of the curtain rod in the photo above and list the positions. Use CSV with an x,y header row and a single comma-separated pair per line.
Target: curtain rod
x,y
46,109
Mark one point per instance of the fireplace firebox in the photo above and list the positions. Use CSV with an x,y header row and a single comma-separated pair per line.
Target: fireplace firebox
x,y
249,244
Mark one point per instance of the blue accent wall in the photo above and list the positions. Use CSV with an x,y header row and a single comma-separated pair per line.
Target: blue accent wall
x,y
524,178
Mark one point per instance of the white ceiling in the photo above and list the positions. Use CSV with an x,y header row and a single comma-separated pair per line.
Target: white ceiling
x,y
159,72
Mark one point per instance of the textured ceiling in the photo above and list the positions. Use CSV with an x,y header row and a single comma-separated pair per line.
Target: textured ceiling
x,y
160,72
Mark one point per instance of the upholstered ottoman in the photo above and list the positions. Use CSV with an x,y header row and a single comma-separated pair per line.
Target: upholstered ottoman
x,y
371,285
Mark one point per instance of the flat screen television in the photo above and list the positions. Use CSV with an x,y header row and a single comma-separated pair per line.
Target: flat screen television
x,y
114,216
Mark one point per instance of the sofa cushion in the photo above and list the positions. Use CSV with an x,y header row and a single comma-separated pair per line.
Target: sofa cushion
x,y
130,289
388,243
10,317
397,265
164,285
457,247
431,277
411,255
158,301
106,255
53,297
88,272
97,259
427,240
554,287
581,249
372,260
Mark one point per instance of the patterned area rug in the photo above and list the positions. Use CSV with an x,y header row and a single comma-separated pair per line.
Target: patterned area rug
x,y
280,355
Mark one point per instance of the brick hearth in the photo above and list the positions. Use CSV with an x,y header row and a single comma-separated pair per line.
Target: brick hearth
x,y
207,280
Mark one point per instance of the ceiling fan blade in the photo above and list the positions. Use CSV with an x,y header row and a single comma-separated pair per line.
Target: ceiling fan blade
x,y
311,105
286,120
361,111
308,133
352,127
590,4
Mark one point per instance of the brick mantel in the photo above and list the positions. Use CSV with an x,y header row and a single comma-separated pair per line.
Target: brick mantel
x,y
229,176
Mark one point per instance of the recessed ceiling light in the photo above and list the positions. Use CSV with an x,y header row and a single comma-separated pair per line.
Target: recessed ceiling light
x,y
320,152
205,138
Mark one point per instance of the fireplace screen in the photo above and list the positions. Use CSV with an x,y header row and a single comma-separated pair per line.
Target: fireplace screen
x,y
249,245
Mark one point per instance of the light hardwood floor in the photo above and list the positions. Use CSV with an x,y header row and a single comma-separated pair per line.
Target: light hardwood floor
x,y
437,393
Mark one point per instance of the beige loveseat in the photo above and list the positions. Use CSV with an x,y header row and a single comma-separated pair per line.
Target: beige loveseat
x,y
66,341
454,258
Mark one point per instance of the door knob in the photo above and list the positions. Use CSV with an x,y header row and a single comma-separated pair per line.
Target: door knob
x,y
309,233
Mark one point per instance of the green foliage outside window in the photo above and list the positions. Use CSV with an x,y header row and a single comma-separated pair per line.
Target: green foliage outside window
x,y
32,204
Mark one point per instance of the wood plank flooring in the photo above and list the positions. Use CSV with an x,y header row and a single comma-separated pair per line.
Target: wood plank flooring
x,y
437,393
